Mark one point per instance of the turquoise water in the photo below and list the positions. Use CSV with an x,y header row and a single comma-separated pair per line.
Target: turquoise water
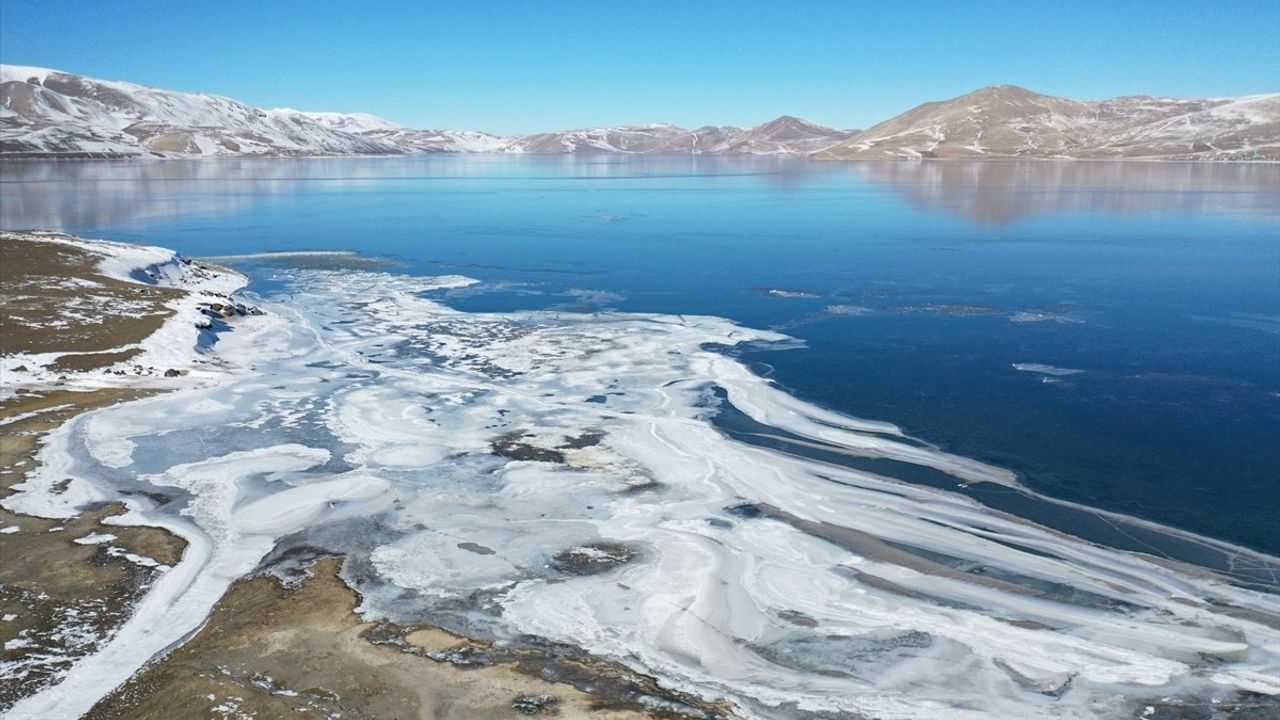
x,y
916,288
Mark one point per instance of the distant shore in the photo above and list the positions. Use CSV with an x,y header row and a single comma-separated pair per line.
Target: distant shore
x,y
68,156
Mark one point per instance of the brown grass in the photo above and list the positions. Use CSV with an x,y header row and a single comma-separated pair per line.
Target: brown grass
x,y
34,296
272,652
46,579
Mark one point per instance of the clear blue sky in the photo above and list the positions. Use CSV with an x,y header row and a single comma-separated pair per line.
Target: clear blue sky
x,y
528,66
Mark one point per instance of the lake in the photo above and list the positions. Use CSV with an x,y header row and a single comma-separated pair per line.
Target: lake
x,y
1140,300
765,430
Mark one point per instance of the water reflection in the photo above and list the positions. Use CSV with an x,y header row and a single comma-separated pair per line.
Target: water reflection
x,y
77,194
996,192
82,194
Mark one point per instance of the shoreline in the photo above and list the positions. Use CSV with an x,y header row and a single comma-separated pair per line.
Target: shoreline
x,y
136,320
125,539
297,644
649,463
108,157
468,680
67,584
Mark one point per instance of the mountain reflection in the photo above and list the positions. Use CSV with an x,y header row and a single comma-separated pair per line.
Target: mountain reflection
x,y
1000,191
85,194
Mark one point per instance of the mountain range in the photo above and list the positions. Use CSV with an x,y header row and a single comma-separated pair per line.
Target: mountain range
x,y
49,113
1006,121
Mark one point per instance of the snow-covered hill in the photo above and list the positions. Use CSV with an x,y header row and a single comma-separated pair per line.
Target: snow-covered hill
x,y
785,136
47,111
441,141
1007,121
51,113
347,122
649,139
621,139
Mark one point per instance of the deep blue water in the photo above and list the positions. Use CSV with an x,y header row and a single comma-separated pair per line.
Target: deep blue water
x,y
1160,282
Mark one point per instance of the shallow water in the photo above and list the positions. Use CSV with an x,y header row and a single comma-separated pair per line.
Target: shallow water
x,y
916,287
607,435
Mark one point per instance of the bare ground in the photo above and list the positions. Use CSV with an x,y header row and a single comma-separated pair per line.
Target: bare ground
x,y
268,651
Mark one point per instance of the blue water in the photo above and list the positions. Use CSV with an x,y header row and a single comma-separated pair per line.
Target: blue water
x,y
1160,282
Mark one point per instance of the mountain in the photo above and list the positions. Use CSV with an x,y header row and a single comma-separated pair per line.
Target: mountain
x,y
347,122
440,141
785,136
47,111
708,139
621,139
1006,121
648,139
52,113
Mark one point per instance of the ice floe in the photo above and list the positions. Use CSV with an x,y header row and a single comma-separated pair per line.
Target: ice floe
x,y
1043,369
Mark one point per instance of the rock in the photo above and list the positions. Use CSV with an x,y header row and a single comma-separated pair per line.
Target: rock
x,y
463,656
219,310
592,558
172,372
746,510
513,446
795,617
534,704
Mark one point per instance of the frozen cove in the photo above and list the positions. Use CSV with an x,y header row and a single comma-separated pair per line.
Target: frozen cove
x,y
545,476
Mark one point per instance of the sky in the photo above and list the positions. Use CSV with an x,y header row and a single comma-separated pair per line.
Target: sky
x,y
515,67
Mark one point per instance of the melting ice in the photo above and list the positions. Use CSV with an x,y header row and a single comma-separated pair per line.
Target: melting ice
x,y
559,475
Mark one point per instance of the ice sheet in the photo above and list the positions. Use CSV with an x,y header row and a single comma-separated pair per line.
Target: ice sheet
x,y
506,492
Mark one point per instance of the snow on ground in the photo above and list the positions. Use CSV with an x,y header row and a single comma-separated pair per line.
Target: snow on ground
x,y
179,346
349,122
23,73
